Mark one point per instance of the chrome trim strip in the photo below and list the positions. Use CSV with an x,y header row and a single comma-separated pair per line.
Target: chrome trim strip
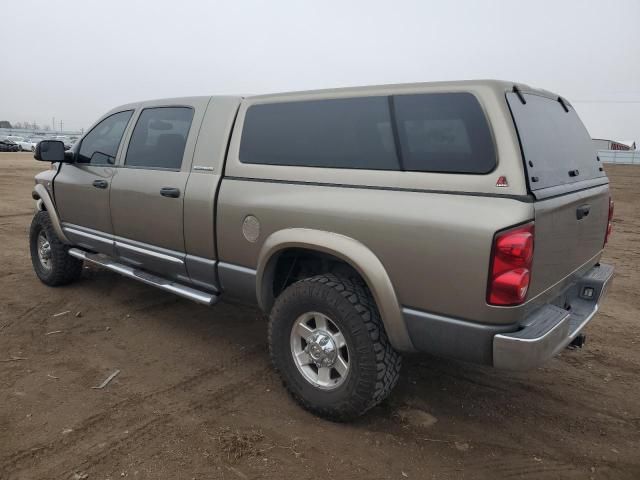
x,y
88,235
237,268
120,242
149,253
201,260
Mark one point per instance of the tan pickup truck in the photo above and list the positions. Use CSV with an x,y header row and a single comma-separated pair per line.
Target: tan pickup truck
x,y
462,219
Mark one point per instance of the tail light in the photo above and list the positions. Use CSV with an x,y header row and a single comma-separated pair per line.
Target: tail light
x,y
510,270
609,224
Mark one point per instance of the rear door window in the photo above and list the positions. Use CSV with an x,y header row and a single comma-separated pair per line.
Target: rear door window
x,y
556,146
159,138
443,132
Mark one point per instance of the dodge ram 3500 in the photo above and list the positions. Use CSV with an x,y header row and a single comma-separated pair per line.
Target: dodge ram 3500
x,y
462,219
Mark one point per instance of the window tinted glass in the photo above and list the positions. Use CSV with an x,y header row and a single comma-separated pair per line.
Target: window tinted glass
x,y
159,138
443,132
336,133
101,144
554,141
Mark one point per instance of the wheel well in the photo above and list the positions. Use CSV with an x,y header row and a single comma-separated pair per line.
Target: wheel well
x,y
40,206
294,264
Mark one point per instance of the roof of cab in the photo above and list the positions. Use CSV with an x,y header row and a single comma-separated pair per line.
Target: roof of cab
x,y
168,101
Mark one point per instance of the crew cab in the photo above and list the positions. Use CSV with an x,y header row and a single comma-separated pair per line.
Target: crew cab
x,y
463,219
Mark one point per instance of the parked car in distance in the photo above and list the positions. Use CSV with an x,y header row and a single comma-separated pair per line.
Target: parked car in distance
x,y
26,145
9,146
460,219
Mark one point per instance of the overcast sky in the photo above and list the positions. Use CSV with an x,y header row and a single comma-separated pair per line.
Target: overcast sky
x,y
77,59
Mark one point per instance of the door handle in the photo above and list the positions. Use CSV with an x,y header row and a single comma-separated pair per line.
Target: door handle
x,y
100,183
582,211
170,192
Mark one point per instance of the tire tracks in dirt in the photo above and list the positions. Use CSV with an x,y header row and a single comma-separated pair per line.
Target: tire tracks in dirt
x,y
19,214
101,435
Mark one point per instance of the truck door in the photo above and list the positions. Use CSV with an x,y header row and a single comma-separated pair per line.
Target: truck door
x,y
147,190
81,189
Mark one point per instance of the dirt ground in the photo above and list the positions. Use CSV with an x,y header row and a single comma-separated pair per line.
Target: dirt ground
x,y
196,397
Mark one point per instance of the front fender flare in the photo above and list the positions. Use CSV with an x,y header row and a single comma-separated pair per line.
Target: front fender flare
x,y
42,195
353,252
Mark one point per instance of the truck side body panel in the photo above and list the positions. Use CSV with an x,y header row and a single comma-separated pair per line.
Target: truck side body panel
x,y
435,247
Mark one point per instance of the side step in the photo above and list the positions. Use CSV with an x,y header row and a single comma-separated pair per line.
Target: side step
x,y
145,277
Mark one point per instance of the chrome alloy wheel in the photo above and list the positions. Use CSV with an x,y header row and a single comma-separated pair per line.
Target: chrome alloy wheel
x,y
44,251
319,350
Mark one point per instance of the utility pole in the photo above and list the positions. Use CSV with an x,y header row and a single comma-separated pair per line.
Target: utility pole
x,y
60,126
53,123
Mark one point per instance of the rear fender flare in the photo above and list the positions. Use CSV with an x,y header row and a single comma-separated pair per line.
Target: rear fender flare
x,y
353,252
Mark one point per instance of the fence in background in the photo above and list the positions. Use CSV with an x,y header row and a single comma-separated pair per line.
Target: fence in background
x,y
28,132
622,157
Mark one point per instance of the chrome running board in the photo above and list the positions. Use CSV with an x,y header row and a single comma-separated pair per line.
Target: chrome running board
x,y
145,277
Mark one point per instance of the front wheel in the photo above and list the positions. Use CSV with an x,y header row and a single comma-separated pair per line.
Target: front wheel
x,y
329,345
50,258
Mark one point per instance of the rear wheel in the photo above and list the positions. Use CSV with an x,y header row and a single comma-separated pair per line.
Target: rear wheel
x,y
50,258
328,343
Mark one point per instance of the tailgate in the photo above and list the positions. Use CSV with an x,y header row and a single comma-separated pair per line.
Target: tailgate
x,y
567,181
569,232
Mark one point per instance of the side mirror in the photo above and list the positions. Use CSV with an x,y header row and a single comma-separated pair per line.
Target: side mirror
x,y
50,151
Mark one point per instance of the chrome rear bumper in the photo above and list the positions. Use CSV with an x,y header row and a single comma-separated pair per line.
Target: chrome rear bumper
x,y
550,328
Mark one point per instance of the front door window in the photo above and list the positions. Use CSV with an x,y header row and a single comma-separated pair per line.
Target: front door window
x,y
100,145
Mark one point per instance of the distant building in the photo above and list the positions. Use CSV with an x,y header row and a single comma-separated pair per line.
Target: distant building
x,y
604,144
